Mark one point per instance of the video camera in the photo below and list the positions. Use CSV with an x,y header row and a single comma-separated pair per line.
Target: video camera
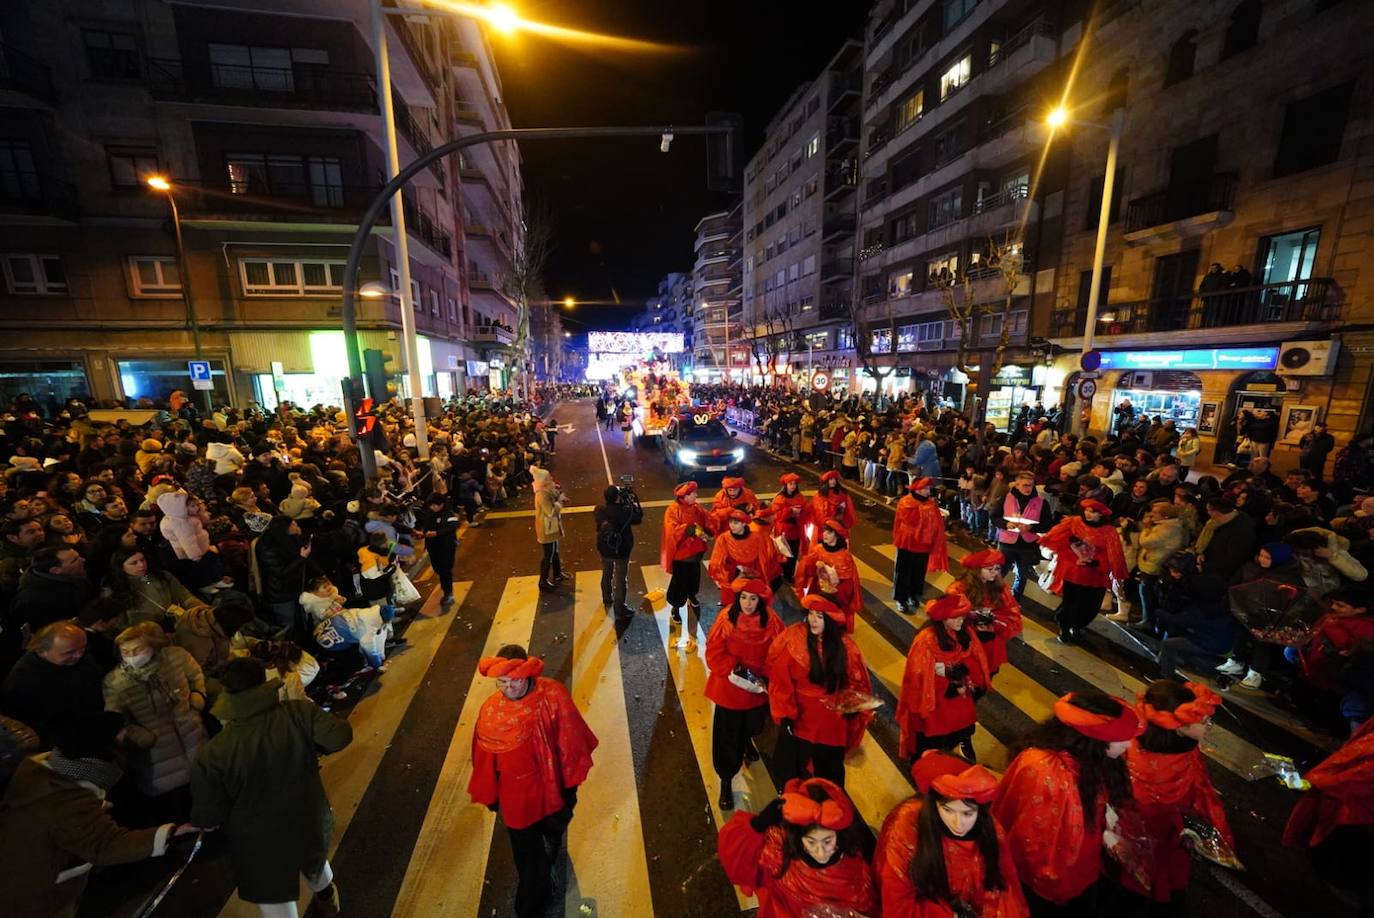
x,y
626,492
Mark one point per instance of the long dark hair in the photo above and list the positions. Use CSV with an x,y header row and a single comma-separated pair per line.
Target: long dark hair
x,y
118,582
829,659
1096,771
946,639
1166,695
927,869
734,612
848,841
980,592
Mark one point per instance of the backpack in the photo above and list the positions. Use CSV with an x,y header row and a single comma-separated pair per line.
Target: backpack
x,y
610,539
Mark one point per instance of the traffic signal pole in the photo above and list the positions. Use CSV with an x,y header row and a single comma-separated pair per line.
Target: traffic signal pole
x,y
368,222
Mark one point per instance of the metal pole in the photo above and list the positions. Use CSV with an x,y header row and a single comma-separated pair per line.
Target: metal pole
x,y
1104,216
398,229
186,295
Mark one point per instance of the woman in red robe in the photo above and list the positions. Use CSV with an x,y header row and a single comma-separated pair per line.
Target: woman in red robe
x,y
791,520
741,551
802,852
1169,781
946,673
941,854
733,495
813,669
996,614
530,751
686,528
1054,798
1088,557
918,531
736,655
833,502
829,569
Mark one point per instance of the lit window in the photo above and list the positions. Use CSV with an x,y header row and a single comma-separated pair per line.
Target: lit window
x,y
899,284
910,109
956,76
813,146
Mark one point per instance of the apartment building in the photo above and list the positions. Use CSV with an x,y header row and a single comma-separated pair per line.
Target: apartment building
x,y
718,332
1245,144
266,119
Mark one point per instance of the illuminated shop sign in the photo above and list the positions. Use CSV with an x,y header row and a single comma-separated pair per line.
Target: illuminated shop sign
x,y
1221,358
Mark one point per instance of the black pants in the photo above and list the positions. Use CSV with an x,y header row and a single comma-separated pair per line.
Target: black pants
x,y
909,575
789,566
1023,556
550,563
442,561
615,582
1085,906
1079,607
731,732
792,756
537,849
947,742
685,582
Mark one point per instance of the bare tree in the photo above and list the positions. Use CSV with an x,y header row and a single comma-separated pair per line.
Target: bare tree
x,y
525,281
962,306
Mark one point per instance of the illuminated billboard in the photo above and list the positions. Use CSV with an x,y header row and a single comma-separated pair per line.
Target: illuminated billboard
x,y
639,344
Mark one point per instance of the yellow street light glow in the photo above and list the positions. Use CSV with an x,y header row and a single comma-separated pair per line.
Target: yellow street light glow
x,y
374,290
158,183
504,19
1058,117
569,302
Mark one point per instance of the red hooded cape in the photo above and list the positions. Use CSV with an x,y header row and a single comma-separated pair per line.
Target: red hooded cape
x,y
920,527
791,525
1007,624
678,544
721,505
525,753
755,552
1166,787
730,645
792,694
923,708
1107,551
833,505
752,860
848,594
1342,792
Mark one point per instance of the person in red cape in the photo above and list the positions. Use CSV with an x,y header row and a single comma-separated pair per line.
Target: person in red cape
x,y
762,523
829,569
918,531
791,519
946,673
1335,819
733,495
530,751
1088,557
741,551
1054,798
804,851
833,502
1339,638
941,854
812,667
1169,780
996,614
736,655
686,527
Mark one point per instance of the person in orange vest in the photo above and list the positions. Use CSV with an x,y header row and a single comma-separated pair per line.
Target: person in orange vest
x,y
918,531
828,569
791,519
741,551
946,673
1088,557
833,502
686,529
733,495
736,655
996,614
814,669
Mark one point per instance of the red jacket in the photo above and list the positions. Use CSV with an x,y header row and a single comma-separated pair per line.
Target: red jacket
x,y
752,860
792,526
525,753
963,866
1096,562
1342,792
832,505
1334,637
848,593
923,708
679,541
1006,625
755,552
792,694
730,645
920,527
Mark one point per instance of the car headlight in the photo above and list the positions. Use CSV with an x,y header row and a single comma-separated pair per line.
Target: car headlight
x,y
688,455
739,454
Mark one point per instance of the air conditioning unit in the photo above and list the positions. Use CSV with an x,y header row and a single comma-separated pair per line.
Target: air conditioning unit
x,y
1308,358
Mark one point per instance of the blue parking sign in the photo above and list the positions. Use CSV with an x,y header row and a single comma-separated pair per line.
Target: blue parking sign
x,y
200,374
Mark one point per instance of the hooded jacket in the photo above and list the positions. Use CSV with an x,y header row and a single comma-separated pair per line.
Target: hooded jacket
x,y
226,457
183,531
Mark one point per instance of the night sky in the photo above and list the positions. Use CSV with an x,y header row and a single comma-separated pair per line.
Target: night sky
x,y
624,212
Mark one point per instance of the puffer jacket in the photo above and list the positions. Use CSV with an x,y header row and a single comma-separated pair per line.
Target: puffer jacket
x,y
160,703
1159,543
184,532
200,635
548,507
156,593
226,457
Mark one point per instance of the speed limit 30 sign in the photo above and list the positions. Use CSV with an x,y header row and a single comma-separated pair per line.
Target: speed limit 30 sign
x,y
1087,388
820,381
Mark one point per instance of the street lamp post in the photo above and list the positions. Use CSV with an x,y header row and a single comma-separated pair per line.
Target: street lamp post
x,y
162,184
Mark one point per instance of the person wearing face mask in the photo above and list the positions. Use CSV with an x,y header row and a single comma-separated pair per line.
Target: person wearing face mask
x,y
736,653
686,528
1169,780
918,531
741,551
806,850
160,690
811,667
733,495
833,502
941,854
1058,795
792,520
531,750
1089,556
946,673
828,569
996,615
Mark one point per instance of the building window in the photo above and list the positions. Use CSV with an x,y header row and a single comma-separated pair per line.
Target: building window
x,y
319,178
1312,130
1182,57
1243,31
18,176
263,69
112,55
881,341
930,336
946,208
943,268
813,184
955,12
910,109
906,338
1288,257
844,339
434,303
809,265
452,309
813,146
1094,209
417,298
899,284
154,275
290,277
131,166
1085,286
954,79
793,271
35,275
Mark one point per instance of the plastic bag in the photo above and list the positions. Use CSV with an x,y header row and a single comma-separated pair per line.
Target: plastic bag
x,y
1280,766
784,549
403,592
1204,840
745,678
1131,847
851,701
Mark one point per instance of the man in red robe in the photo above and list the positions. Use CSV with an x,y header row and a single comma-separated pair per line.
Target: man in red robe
x,y
791,517
530,751
918,531
1088,558
733,495
686,528
741,551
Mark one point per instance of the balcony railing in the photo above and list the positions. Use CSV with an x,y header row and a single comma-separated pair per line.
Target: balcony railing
x,y
425,226
1311,300
845,84
839,267
22,73
37,193
334,203
493,334
877,139
837,225
834,310
1020,39
1005,196
467,113
1181,202
262,87
841,132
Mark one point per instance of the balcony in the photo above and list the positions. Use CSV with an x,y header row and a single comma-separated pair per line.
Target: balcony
x,y
262,87
837,310
38,194
836,269
1181,212
877,139
845,86
480,280
465,59
837,226
467,114
1312,300
296,202
841,133
841,178
421,224
21,73
493,334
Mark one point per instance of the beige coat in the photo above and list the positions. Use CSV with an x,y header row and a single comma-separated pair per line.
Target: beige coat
x,y
548,507
161,705
1159,543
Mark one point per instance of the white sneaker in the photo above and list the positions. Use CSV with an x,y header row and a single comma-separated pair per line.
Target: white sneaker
x,y
1124,616
1232,668
1252,680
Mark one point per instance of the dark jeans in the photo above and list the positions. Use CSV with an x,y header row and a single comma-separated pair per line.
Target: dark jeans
x,y
442,562
909,576
1079,607
537,849
615,582
551,563
1021,557
731,733
1149,596
791,757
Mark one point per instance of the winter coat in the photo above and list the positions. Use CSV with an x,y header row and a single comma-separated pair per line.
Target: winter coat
x,y
226,457
1187,449
45,598
154,594
45,695
281,570
1325,574
200,635
1225,546
161,705
1159,543
926,460
50,823
259,781
184,532
548,508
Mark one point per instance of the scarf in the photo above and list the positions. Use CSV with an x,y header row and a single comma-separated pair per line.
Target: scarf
x,y
1210,528
98,772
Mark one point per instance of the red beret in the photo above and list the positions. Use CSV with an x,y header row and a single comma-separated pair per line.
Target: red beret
x,y
752,585
831,475
920,483
788,478
988,557
931,765
1106,728
975,783
817,603
1095,505
839,528
732,482
951,605
687,487
740,515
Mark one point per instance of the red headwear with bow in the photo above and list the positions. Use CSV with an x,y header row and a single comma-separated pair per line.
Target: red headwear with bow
x,y
818,603
800,810
1204,704
1106,728
974,783
751,585
496,667
988,557
951,605
839,528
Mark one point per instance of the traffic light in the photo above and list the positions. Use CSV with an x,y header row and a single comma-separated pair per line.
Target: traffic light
x,y
379,382
725,153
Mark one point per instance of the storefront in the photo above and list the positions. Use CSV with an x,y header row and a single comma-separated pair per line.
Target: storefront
x,y
305,368
155,377
1166,394
1011,388
50,383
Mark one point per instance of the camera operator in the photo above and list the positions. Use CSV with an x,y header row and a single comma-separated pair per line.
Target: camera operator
x,y
614,541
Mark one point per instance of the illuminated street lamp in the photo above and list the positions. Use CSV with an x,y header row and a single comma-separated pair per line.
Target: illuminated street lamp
x,y
569,302
162,185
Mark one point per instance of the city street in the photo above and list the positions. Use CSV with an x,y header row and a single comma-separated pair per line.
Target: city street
x,y
642,842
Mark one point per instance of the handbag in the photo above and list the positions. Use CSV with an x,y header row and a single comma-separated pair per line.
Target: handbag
x,y
1046,576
